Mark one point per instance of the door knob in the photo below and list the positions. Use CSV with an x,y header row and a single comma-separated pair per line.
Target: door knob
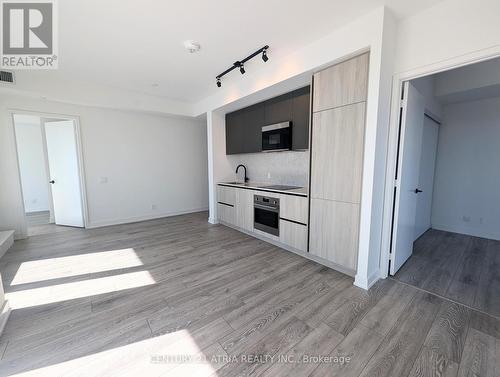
x,y
52,182
417,191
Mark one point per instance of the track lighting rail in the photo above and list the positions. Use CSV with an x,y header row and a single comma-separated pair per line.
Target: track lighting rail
x,y
241,63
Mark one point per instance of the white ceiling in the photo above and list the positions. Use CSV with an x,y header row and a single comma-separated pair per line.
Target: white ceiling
x,y
132,44
470,83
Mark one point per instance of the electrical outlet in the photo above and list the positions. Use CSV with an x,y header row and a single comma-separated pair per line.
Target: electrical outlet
x,y
268,175
466,219
154,206
103,180
481,220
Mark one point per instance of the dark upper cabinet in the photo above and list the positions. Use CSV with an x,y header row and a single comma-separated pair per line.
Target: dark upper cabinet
x,y
244,127
300,116
277,110
243,130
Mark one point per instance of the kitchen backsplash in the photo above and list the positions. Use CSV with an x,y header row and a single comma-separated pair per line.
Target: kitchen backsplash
x,y
287,168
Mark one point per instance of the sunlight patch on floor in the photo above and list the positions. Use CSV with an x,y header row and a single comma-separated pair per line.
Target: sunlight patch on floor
x,y
61,267
137,359
69,291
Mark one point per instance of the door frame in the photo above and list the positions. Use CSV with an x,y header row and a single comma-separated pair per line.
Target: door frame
x,y
398,81
79,152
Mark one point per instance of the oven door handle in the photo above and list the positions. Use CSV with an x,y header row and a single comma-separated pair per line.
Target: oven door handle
x,y
266,208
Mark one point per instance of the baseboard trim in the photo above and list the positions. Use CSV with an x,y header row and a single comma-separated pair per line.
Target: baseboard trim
x,y
4,315
467,231
366,282
6,241
134,219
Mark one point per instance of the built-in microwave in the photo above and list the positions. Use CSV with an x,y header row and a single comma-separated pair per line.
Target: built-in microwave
x,y
277,137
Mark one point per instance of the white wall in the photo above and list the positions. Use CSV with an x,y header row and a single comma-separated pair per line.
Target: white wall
x,y
427,87
446,33
466,190
32,166
132,161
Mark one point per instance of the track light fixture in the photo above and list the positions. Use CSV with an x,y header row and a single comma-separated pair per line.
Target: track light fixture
x,y
241,64
264,55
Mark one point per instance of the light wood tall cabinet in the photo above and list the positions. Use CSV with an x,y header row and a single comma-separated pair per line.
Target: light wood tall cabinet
x,y
337,144
342,84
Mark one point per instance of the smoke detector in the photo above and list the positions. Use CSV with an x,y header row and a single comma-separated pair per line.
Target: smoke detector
x,y
192,46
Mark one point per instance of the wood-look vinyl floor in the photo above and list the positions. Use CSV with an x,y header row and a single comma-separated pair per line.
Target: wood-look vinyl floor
x,y
462,268
181,297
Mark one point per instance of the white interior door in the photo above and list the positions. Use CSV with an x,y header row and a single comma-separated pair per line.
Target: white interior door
x,y
412,123
64,172
428,154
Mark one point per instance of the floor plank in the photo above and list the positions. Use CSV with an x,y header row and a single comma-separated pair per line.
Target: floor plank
x,y
351,355
218,296
479,355
462,268
465,283
399,351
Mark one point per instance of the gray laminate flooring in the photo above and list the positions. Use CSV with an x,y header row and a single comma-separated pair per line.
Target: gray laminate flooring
x,y
181,297
462,268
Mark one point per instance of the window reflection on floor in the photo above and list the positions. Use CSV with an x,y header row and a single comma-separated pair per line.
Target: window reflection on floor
x,y
86,288
61,267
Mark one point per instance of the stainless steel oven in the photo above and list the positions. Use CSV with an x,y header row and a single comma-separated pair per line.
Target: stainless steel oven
x,y
277,137
266,214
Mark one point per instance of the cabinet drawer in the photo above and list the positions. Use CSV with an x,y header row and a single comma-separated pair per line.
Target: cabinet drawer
x,y
294,208
226,195
293,234
226,213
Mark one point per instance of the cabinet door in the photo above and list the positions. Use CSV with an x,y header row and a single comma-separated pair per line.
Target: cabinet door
x,y
294,235
243,130
233,136
226,194
334,232
295,208
226,213
300,117
337,153
341,84
244,209
278,109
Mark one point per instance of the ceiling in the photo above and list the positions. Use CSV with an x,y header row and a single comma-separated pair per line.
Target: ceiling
x,y
469,83
137,45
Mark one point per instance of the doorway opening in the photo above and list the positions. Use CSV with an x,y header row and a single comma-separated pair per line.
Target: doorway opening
x,y
445,235
50,172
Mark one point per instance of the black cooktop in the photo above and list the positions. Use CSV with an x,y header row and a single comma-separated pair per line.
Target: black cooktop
x,y
280,187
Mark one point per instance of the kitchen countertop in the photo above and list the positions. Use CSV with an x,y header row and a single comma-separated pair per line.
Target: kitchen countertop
x,y
301,191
